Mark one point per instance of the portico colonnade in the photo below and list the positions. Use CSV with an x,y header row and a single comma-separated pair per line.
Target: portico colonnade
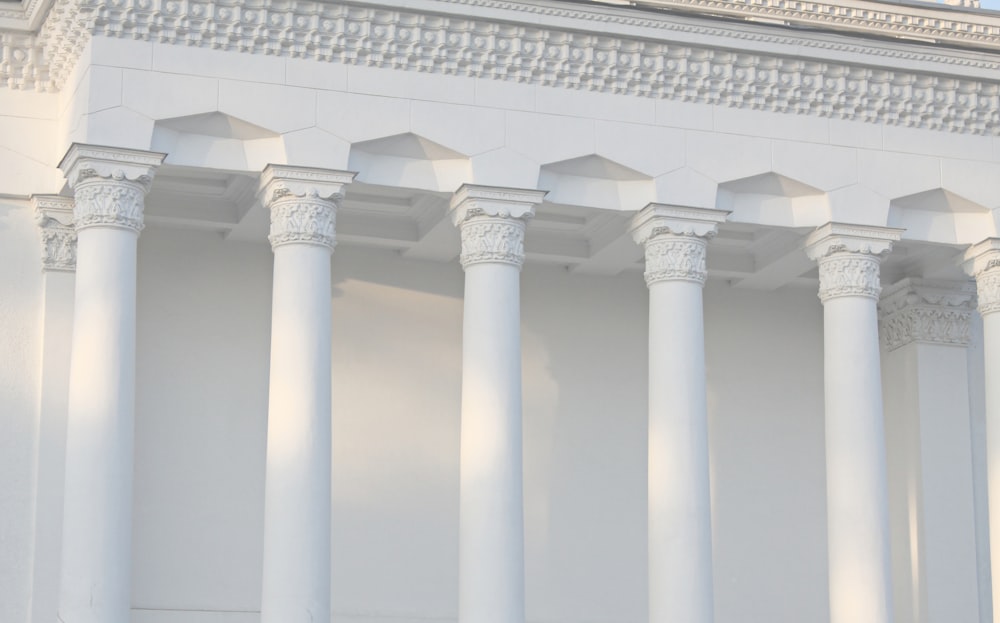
x,y
109,186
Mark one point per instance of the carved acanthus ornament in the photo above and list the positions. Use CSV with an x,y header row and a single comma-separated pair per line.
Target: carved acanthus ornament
x,y
916,310
302,203
983,262
492,239
54,215
600,56
675,240
849,257
109,185
492,223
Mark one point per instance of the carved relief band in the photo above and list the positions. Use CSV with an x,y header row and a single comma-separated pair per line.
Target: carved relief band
x,y
934,312
849,274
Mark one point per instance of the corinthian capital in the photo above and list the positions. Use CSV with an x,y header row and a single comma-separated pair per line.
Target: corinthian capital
x,y
109,184
675,240
919,310
54,215
492,222
303,203
849,257
983,262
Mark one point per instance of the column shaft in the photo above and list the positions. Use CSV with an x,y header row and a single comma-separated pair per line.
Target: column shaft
x,y
492,519
109,187
491,512
857,503
983,261
680,519
296,575
679,492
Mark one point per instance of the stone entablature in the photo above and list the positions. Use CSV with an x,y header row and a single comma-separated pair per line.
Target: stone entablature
x,y
745,66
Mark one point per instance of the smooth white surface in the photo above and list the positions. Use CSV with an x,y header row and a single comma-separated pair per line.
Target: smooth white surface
x,y
491,534
95,584
858,523
680,518
296,583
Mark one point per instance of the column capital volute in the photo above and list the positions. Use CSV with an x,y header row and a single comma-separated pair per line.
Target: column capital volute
x,y
982,260
471,200
109,185
848,238
849,257
83,162
658,219
928,311
54,215
302,202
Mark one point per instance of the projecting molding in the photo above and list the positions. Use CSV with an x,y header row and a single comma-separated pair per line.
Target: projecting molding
x,y
522,47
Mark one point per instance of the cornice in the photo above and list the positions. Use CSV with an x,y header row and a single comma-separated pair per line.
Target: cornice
x,y
583,47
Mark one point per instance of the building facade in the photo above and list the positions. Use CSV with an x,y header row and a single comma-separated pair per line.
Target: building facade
x,y
492,311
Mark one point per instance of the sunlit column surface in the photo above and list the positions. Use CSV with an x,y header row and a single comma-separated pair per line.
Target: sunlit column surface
x,y
983,261
491,532
296,581
109,186
679,500
849,257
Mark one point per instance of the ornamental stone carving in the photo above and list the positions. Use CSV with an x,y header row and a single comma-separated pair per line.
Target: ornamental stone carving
x,y
849,257
302,202
54,215
675,240
983,262
492,239
109,185
521,49
492,222
934,312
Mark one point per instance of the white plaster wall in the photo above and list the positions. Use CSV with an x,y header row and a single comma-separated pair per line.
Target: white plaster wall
x,y
20,343
203,340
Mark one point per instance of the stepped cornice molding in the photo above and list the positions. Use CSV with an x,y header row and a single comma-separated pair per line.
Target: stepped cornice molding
x,y
508,40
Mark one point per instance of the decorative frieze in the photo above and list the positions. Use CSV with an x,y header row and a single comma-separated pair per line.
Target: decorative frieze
x,y
934,312
109,184
983,262
492,222
54,215
596,61
302,202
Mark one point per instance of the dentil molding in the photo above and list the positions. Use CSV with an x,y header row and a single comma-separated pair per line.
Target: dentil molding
x,y
934,312
302,202
54,215
590,60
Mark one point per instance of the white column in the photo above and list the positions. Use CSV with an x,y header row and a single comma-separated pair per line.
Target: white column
x,y
54,215
679,497
296,580
983,261
109,187
925,329
857,503
491,525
